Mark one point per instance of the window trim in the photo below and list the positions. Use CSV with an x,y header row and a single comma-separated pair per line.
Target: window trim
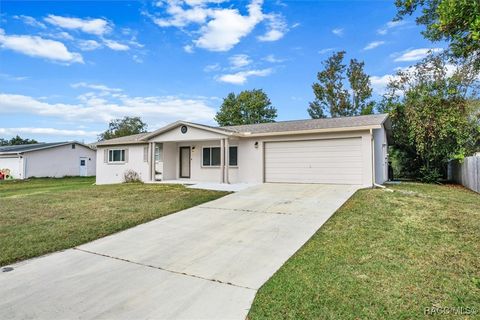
x,y
210,166
117,162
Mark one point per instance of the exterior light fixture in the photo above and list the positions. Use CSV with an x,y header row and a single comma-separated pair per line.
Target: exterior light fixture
x,y
256,144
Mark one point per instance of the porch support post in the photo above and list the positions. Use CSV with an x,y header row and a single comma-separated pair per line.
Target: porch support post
x,y
227,160
151,154
222,160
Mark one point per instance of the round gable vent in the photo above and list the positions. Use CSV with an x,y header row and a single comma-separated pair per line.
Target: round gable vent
x,y
184,129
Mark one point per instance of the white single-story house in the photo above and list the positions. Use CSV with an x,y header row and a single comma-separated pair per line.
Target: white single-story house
x,y
345,150
56,159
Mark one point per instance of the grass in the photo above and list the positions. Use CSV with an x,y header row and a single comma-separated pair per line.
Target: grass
x,y
39,216
384,255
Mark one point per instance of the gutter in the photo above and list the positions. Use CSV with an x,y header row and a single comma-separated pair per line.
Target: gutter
x,y
326,130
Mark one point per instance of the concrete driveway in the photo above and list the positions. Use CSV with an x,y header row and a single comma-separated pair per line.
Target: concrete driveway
x,y
206,262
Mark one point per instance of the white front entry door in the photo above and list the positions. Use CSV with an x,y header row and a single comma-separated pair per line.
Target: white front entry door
x,y
83,166
337,161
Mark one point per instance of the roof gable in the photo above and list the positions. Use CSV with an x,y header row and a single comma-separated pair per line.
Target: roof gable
x,y
178,124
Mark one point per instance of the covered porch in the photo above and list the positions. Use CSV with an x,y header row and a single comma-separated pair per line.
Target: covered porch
x,y
193,162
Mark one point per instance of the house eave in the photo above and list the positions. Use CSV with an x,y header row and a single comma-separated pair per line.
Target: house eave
x,y
296,132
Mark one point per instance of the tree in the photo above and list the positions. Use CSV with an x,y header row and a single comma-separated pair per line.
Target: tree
x,y
17,140
330,95
248,107
456,21
433,116
123,127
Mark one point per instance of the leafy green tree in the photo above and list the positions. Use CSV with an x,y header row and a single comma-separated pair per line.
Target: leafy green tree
x,y
17,140
455,21
361,91
330,95
432,115
248,107
124,127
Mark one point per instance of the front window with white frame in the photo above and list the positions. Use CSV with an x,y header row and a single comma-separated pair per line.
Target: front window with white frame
x,y
211,156
116,155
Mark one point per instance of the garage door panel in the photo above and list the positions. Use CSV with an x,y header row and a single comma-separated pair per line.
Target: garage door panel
x,y
308,143
314,161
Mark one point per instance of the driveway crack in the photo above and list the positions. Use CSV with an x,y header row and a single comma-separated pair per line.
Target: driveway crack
x,y
163,269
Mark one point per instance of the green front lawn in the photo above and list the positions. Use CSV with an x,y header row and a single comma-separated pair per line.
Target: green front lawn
x,y
44,215
384,256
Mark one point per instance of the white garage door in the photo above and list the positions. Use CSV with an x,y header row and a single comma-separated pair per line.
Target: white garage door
x,y
14,165
337,161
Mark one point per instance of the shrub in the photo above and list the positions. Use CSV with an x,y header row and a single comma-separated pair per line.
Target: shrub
x,y
131,176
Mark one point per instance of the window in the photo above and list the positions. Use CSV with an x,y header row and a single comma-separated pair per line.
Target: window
x,y
159,152
73,145
211,156
82,163
116,155
233,156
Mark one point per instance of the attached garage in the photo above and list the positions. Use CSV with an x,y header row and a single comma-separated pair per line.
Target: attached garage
x,y
335,161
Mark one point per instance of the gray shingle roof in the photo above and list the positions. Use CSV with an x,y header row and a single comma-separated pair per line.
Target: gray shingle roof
x,y
310,124
31,147
281,126
134,138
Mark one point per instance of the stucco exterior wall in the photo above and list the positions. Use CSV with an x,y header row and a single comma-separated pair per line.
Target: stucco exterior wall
x,y
114,172
251,166
192,134
59,161
381,155
14,164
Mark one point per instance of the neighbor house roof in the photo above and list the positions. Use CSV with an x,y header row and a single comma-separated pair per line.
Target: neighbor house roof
x,y
132,139
310,124
281,127
34,147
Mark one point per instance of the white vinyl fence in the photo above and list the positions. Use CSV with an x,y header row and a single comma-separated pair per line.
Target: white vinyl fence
x,y
467,172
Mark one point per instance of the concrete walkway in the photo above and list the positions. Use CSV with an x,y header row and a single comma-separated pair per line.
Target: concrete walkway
x,y
206,262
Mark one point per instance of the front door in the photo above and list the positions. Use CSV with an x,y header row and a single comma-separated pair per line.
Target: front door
x,y
184,162
83,166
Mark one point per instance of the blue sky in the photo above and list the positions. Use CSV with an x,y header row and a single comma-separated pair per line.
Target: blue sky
x,y
67,68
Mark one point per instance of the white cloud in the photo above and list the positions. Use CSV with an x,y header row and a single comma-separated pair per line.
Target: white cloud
x,y
242,76
272,59
88,45
188,48
31,21
338,31
218,28
47,131
326,50
373,45
228,26
391,25
104,104
415,54
92,26
277,27
239,61
379,83
35,46
99,87
7,76
114,45
212,67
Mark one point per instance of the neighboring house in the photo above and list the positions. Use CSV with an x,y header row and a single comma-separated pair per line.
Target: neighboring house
x,y
57,159
347,150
